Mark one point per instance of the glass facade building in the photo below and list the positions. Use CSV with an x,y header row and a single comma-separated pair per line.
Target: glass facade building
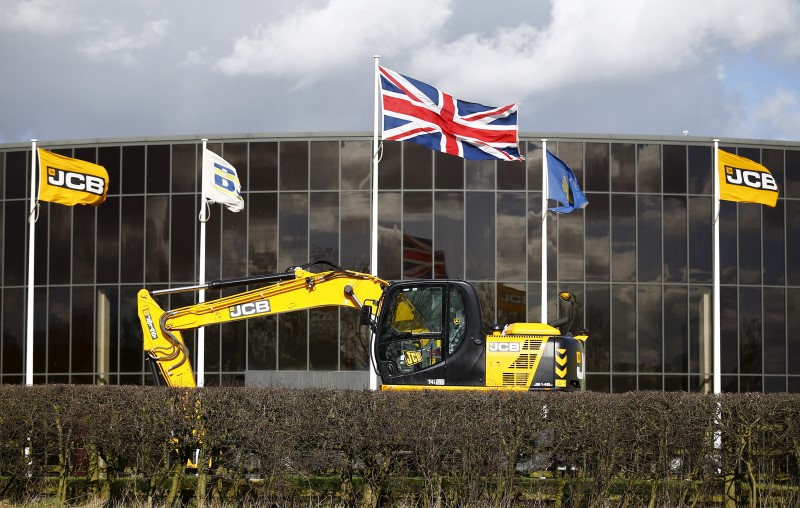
x,y
638,257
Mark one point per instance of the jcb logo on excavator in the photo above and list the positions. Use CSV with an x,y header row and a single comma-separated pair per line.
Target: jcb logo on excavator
x,y
150,326
250,309
504,347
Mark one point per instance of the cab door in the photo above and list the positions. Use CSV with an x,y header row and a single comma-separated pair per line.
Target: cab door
x,y
421,331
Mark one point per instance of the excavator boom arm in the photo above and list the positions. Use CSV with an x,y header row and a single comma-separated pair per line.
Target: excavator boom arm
x,y
164,343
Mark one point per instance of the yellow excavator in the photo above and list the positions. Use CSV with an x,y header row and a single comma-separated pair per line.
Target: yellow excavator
x,y
426,334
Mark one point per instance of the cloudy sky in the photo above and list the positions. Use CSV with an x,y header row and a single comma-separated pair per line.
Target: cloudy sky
x,y
85,69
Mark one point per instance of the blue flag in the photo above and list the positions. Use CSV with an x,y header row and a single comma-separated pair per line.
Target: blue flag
x,y
562,186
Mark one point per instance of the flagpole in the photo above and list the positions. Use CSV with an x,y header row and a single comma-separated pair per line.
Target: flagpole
x,y
544,231
31,240
201,295
373,376
716,292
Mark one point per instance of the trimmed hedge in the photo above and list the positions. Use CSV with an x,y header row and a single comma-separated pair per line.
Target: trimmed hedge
x,y
287,447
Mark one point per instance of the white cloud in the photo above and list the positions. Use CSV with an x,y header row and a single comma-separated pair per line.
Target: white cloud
x,y
780,113
39,16
117,43
589,42
314,41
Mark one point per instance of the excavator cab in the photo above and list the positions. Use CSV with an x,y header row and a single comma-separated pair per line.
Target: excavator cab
x,y
424,335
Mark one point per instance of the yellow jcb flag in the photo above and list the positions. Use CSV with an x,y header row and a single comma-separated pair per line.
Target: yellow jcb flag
x,y
71,181
741,179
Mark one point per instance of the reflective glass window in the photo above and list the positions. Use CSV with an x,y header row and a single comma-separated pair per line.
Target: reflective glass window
x,y
729,329
623,328
649,168
572,155
417,235
157,239
293,341
390,165
185,168
82,320
158,168
58,327
133,169
236,155
263,174
749,238
449,171
674,169
83,244
390,235
700,239
676,331
510,230
323,234
110,158
17,175
13,339
480,175
623,167
14,260
234,243
772,159
792,324
598,161
774,331
570,246
792,188
534,248
355,230
792,242
511,303
132,239
676,266
533,162
649,238
262,343
40,309
480,235
511,175
323,338
751,340
700,170
184,219
598,238
622,383
598,321
262,211
700,332
417,166
649,328
60,258
623,237
355,339
324,165
356,164
292,230
448,231
293,165
728,248
234,346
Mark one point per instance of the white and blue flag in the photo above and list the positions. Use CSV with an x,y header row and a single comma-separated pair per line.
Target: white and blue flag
x,y
221,183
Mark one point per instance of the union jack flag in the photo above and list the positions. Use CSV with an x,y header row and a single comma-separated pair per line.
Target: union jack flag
x,y
417,112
